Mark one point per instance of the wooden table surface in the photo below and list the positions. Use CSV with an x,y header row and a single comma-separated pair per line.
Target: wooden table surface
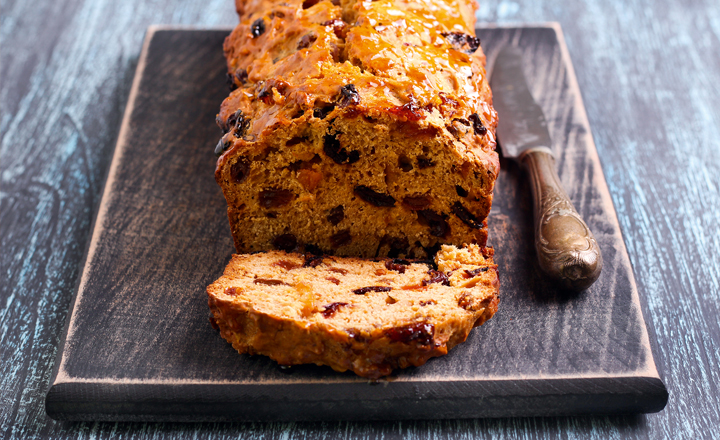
x,y
649,71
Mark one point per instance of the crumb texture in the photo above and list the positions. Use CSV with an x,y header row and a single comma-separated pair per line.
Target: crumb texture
x,y
357,128
367,316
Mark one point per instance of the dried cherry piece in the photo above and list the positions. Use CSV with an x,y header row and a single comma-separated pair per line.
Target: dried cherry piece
x,y
332,308
341,238
466,216
306,41
337,214
364,290
416,203
349,95
273,198
312,260
436,277
239,170
338,27
371,196
397,265
462,42
475,272
332,147
462,192
438,224
285,242
257,28
422,332
477,124
309,3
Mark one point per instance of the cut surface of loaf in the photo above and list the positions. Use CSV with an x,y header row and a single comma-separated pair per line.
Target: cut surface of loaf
x,y
357,128
367,316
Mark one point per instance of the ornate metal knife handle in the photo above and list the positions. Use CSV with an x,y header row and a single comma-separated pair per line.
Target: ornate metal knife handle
x,y
566,248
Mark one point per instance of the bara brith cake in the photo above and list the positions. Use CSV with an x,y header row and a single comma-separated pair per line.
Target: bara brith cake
x,y
366,316
357,128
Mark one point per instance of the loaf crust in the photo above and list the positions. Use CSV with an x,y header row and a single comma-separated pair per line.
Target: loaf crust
x,y
367,316
357,128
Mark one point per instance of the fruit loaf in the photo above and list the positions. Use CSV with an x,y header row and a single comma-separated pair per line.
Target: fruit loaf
x,y
357,128
367,316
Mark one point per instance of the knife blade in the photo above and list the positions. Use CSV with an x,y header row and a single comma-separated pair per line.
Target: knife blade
x,y
566,248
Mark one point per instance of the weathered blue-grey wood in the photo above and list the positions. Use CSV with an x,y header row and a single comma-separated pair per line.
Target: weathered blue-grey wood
x,y
138,344
648,71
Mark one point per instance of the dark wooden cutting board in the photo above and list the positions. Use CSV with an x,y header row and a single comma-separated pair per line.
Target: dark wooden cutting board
x,y
138,344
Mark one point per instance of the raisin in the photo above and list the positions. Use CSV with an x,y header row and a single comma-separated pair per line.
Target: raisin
x,y
338,27
466,216
462,42
364,290
322,112
438,225
436,277
416,203
241,124
241,75
312,260
310,3
268,282
462,192
273,198
339,155
221,146
230,80
257,28
424,162
333,280
428,302
396,264
231,291
349,95
341,238
409,112
306,41
477,124
421,332
287,265
332,308
339,270
475,272
239,170
369,195
337,214
285,242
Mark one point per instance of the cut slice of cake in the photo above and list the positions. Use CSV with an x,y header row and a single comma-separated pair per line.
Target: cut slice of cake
x,y
367,316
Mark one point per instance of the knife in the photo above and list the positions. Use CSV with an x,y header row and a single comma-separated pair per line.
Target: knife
x,y
566,249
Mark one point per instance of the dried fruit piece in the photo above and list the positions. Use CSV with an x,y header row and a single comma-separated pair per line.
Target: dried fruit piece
x,y
462,192
309,3
257,28
332,308
477,124
409,112
341,238
230,80
287,265
306,41
339,270
397,265
313,260
339,155
462,42
371,196
417,203
338,27
268,282
428,302
349,95
232,291
364,290
322,112
438,224
273,198
337,214
466,216
333,280
475,272
285,242
422,332
436,277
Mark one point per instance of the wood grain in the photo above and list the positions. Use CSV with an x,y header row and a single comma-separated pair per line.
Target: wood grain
x,y
649,73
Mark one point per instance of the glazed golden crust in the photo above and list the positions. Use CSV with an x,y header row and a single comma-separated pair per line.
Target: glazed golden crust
x,y
334,99
370,317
